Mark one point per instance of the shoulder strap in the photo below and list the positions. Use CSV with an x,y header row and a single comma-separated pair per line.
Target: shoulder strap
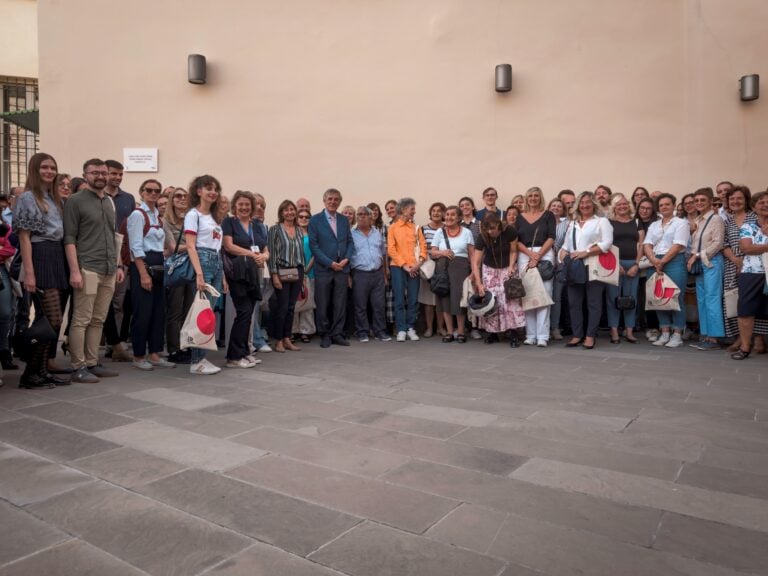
x,y
701,237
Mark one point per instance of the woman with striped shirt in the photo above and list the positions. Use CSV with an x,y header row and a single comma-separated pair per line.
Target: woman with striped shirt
x,y
286,266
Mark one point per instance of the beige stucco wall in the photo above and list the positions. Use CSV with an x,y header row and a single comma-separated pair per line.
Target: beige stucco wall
x,y
384,99
18,38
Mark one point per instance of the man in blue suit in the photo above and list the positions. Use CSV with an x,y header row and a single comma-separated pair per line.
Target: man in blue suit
x,y
330,240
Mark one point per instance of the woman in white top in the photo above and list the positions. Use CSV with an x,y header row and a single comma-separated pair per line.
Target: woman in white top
x,y
587,235
202,231
459,254
665,245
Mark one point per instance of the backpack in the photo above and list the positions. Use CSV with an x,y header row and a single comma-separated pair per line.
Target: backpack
x,y
125,249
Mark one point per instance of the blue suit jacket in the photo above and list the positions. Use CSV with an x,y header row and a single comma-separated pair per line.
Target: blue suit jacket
x,y
326,246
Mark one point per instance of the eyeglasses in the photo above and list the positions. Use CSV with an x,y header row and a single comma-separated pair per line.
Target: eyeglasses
x,y
97,173
303,217
701,200
179,195
152,190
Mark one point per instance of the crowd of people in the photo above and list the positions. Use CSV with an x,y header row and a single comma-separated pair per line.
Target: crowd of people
x,y
86,246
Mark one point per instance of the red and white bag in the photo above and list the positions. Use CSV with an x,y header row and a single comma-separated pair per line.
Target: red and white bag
x,y
604,267
661,293
199,329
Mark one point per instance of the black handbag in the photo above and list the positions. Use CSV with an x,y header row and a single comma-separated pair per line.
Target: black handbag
x,y
625,302
546,270
575,269
39,332
513,288
698,267
440,283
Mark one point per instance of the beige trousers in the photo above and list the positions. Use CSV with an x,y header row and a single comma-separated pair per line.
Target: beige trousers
x,y
88,314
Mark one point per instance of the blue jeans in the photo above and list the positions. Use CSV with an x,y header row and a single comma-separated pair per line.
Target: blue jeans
x,y
678,273
405,289
709,298
627,287
557,307
213,272
7,301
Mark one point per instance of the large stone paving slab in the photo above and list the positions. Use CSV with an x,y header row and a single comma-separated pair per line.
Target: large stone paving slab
x,y
26,478
78,417
373,550
291,524
139,531
263,560
73,558
751,513
337,455
176,398
127,467
51,440
181,446
22,534
192,421
393,505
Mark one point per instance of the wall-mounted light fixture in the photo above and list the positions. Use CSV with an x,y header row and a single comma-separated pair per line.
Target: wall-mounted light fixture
x,y
503,77
196,69
749,87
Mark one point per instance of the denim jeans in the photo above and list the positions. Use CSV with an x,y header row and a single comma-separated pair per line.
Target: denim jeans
x,y
406,292
7,300
678,273
627,287
709,297
213,272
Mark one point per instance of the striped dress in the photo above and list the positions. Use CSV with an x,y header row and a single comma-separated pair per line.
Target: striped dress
x,y
732,242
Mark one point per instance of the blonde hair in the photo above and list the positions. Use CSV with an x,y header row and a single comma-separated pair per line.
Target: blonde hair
x,y
530,192
577,211
618,197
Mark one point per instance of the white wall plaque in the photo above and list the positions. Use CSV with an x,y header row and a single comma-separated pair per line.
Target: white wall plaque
x,y
140,159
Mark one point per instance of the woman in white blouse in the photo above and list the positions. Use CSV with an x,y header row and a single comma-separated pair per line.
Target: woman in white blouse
x,y
665,245
587,235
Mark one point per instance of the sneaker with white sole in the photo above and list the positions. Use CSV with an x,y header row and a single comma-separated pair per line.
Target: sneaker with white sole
x,y
662,340
143,365
251,358
541,343
264,349
411,334
204,367
651,335
401,336
530,341
363,338
384,337
475,334
242,363
675,341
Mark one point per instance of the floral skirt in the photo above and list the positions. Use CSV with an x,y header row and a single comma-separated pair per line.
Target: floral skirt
x,y
509,314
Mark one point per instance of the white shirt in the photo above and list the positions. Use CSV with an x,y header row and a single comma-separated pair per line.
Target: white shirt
x,y
596,230
662,238
208,231
458,244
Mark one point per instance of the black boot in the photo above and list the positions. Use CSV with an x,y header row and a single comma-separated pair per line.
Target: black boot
x,y
6,360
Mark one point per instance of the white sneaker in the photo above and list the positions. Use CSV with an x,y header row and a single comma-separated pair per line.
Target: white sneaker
x,y
675,341
242,363
475,334
264,349
143,365
401,336
251,358
203,367
651,335
541,343
662,340
412,334
530,341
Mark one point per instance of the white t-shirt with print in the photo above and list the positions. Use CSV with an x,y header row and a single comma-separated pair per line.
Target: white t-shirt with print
x,y
208,231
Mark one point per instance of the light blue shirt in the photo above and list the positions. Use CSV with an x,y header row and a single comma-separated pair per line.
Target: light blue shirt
x,y
8,216
369,251
155,237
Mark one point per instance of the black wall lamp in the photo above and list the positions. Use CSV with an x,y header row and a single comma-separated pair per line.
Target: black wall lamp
x,y
503,77
196,69
749,87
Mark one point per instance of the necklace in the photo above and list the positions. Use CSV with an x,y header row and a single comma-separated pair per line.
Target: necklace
x,y
451,234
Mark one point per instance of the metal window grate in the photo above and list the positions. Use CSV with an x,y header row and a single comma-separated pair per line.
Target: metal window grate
x,y
17,144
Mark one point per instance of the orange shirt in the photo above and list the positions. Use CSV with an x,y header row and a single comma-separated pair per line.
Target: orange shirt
x,y
401,243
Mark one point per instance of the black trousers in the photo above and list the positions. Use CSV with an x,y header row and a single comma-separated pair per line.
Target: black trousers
x,y
331,301
368,288
285,300
178,301
592,292
148,320
244,298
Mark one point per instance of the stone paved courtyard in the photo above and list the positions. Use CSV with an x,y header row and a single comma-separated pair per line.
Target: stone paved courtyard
x,y
388,459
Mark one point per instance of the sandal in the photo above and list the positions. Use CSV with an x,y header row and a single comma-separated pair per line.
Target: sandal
x,y
305,338
630,339
448,338
461,339
740,355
